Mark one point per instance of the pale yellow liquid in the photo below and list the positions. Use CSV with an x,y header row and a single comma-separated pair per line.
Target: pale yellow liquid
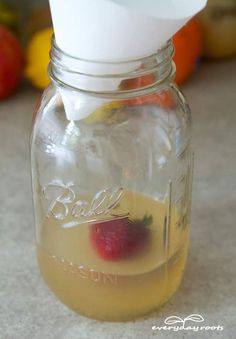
x,y
115,290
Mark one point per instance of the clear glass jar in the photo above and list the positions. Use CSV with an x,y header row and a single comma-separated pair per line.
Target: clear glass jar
x,y
111,171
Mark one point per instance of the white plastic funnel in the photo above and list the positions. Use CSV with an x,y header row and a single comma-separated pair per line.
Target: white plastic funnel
x,y
114,30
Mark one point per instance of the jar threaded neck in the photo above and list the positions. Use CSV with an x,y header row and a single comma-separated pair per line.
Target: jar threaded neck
x,y
112,76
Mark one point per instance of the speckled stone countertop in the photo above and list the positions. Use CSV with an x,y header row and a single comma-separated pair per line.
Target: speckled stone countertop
x,y
29,310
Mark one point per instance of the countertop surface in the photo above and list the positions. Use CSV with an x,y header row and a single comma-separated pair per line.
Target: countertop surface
x,y
29,310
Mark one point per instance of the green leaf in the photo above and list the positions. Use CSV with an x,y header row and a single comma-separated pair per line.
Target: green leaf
x,y
147,220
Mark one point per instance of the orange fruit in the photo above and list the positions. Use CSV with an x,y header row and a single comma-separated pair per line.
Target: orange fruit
x,y
188,44
163,99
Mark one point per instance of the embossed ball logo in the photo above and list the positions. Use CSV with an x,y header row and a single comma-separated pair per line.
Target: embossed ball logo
x,y
72,209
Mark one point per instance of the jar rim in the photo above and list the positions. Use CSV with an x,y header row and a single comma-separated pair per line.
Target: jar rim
x,y
167,47
101,76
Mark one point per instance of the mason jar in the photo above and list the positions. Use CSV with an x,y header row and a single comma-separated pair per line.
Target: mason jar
x,y
112,172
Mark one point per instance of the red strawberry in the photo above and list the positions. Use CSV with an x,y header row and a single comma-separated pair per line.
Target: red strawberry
x,y
120,238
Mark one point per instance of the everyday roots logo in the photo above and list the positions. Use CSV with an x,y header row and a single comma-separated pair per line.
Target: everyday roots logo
x,y
174,323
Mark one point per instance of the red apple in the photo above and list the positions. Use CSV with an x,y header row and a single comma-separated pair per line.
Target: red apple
x,y
11,62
